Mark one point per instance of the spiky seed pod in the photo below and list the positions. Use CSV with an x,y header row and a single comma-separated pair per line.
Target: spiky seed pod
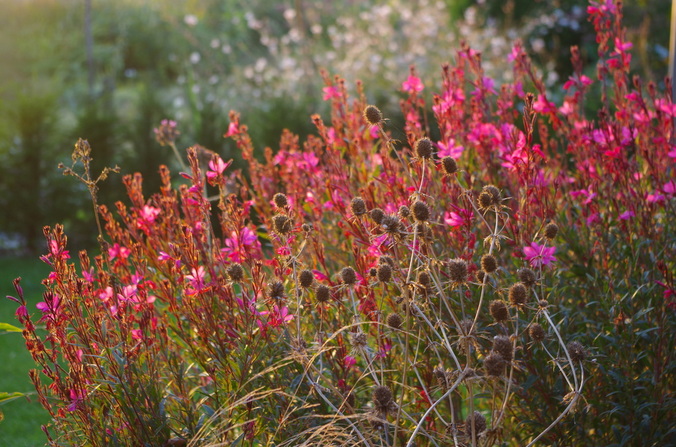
x,y
306,227
536,332
488,263
498,310
323,293
384,259
440,375
280,200
423,148
457,270
382,399
494,192
281,223
424,231
306,278
376,214
503,346
235,272
494,364
348,276
373,272
485,200
394,321
551,230
384,273
479,425
276,290
518,294
373,115
358,206
404,212
421,212
358,340
424,279
543,304
466,325
481,276
527,276
576,351
449,165
391,224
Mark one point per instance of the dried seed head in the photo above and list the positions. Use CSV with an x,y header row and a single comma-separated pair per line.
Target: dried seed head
x,y
323,293
494,364
280,200
377,215
480,276
466,325
358,340
306,278
543,304
551,230
391,224
503,346
394,321
485,200
457,270
576,351
536,332
488,263
450,165
276,290
382,399
518,294
373,115
235,272
384,273
527,276
479,422
423,148
373,272
281,223
404,212
306,227
358,206
386,260
424,279
494,192
421,212
498,310
348,276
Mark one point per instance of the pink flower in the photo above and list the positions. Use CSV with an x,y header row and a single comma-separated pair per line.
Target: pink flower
x,y
627,215
195,280
233,129
349,361
539,255
541,105
450,149
331,92
669,188
118,251
278,316
412,85
217,166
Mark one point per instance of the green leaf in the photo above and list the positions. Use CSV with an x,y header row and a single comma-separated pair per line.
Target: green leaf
x,y
6,397
6,327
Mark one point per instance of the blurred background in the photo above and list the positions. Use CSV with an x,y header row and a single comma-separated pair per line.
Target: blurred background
x,y
110,70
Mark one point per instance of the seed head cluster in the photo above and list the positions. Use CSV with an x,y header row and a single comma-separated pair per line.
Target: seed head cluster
x,y
527,276
282,224
383,402
498,310
421,212
518,294
276,290
384,273
394,321
323,293
457,270
551,230
503,346
449,165
494,364
488,263
235,272
536,332
423,148
373,115
281,201
576,351
479,422
306,278
377,215
348,276
358,206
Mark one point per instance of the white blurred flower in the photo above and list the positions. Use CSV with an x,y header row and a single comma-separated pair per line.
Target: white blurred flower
x,y
195,57
191,20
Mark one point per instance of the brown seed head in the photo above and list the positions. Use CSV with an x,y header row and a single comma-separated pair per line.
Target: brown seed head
x,y
485,200
280,200
576,351
306,278
391,224
281,223
394,321
384,273
498,310
424,279
373,272
384,259
423,148
358,340
536,332
382,399
488,263
276,290
450,165
518,294
503,346
551,230
494,192
377,215
358,206
494,364
323,293
479,425
404,212
373,115
421,212
480,276
527,276
348,276
457,270
235,272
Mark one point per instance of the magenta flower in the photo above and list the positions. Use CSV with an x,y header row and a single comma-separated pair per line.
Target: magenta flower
x,y
330,92
217,166
539,255
412,85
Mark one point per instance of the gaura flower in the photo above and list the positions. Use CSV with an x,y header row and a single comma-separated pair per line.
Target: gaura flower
x,y
539,255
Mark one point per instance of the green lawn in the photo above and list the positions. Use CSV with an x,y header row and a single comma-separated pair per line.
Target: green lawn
x,y
22,417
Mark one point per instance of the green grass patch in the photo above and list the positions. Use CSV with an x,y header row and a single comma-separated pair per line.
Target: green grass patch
x,y
22,416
